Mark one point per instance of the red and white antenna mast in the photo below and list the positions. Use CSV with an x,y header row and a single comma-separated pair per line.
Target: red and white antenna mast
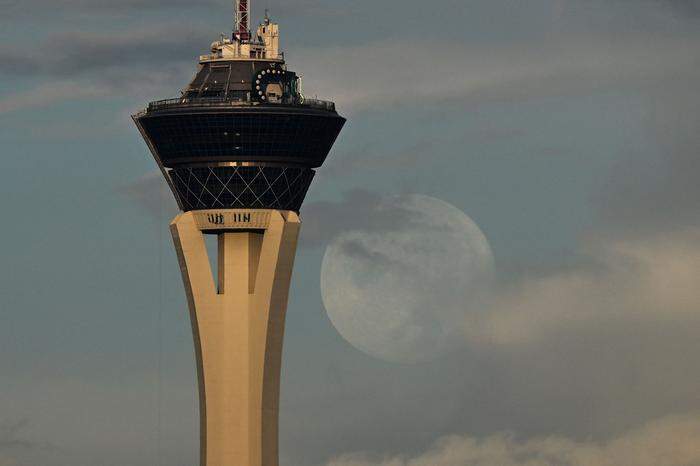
x,y
241,29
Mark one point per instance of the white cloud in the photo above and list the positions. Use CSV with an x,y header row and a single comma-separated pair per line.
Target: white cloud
x,y
651,279
671,441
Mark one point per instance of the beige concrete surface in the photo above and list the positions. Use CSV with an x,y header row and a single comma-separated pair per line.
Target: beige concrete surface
x,y
238,327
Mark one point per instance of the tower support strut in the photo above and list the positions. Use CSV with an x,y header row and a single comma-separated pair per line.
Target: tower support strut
x,y
238,326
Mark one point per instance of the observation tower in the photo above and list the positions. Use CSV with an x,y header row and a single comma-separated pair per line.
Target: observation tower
x,y
238,149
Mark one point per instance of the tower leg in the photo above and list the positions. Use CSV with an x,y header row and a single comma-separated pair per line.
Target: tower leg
x,y
238,327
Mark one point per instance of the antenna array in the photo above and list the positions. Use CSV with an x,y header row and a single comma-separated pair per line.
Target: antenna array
x,y
241,30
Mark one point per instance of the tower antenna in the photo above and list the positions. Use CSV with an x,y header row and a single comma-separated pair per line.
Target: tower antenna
x,y
241,30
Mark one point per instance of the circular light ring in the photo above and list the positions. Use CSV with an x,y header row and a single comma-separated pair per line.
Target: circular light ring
x,y
269,76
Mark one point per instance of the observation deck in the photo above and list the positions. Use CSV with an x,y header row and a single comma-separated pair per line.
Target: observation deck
x,y
242,135
184,102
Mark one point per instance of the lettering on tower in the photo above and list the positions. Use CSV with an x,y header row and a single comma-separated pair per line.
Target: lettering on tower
x,y
210,220
216,219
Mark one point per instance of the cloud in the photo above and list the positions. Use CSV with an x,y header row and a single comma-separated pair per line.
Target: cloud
x,y
619,278
48,94
659,190
688,8
671,441
440,72
376,75
10,436
139,65
13,439
591,348
76,54
647,279
152,193
629,280
323,220
32,7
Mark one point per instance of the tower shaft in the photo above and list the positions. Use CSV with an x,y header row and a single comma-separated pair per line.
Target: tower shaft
x,y
238,326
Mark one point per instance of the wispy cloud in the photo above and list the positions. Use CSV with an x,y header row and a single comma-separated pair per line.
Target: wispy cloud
x,y
593,348
660,191
26,7
640,279
152,193
670,441
48,94
375,75
689,8
13,437
324,220
77,54
10,435
139,64
439,72
628,280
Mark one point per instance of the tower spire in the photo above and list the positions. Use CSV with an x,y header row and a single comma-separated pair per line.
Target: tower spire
x,y
241,29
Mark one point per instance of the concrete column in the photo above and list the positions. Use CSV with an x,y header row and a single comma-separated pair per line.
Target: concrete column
x,y
238,328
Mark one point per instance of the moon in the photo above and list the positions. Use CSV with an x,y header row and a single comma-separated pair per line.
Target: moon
x,y
401,289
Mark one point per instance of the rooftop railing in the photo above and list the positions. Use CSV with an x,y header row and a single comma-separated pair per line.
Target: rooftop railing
x,y
224,102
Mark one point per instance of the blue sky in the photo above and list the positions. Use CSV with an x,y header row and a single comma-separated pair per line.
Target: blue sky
x,y
567,130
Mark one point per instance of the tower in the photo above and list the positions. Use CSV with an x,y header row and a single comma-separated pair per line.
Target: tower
x,y
238,149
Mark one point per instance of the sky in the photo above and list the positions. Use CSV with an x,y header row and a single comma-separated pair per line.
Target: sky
x,y
567,130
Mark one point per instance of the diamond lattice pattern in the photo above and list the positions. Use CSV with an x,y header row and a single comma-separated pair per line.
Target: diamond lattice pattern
x,y
282,188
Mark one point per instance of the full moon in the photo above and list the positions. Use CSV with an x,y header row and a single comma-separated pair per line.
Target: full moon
x,y
401,289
